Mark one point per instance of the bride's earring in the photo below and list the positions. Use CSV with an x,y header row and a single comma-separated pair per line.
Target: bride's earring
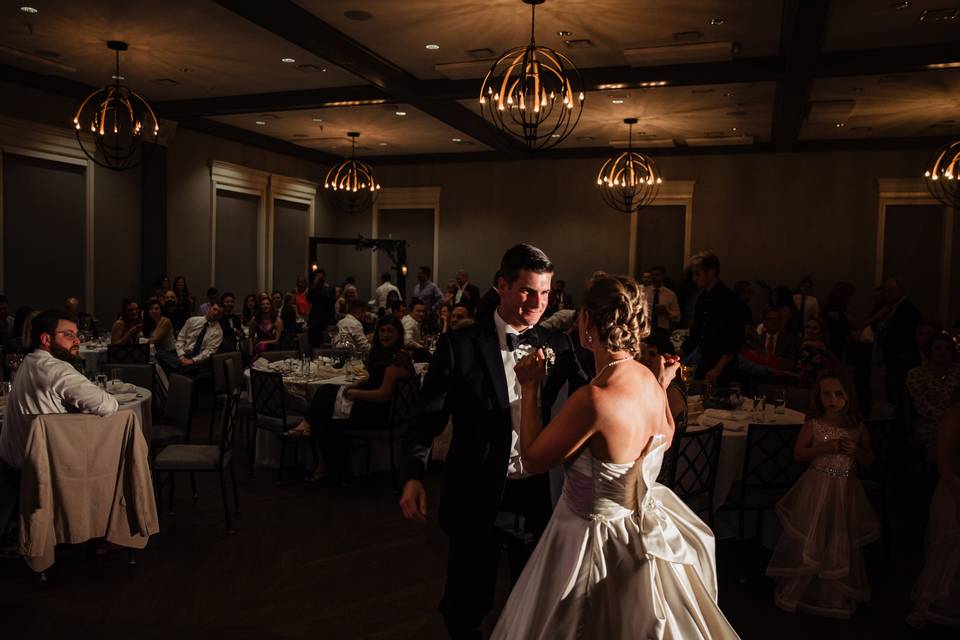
x,y
589,338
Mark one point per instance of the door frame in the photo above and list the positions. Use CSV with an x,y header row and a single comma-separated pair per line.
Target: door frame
x,y
672,193
406,198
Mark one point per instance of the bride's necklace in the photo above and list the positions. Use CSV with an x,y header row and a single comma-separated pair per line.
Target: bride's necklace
x,y
608,365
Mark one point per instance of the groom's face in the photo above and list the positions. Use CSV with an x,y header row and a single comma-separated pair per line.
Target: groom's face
x,y
524,301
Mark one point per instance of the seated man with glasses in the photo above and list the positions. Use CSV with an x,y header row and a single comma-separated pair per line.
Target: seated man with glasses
x,y
47,382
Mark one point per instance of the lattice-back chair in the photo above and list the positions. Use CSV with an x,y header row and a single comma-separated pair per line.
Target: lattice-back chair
x,y
404,407
693,471
128,354
199,458
269,404
874,477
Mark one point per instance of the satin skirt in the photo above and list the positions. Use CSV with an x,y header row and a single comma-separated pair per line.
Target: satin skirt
x,y
937,591
595,578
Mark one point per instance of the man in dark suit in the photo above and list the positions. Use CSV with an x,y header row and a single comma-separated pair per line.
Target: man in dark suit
x,y
489,301
467,293
897,342
472,379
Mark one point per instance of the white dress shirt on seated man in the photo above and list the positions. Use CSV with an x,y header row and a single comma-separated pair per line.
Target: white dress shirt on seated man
x,y
351,326
200,337
411,332
46,384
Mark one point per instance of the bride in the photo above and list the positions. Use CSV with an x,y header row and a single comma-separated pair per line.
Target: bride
x,y
622,556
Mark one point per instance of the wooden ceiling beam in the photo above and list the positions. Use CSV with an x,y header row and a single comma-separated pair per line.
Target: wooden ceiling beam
x,y
269,102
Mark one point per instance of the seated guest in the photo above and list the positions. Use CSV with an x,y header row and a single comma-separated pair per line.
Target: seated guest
x,y
397,309
773,347
814,356
157,328
460,316
559,299
184,299
127,328
782,300
343,303
384,290
160,286
249,308
662,301
300,297
387,363
175,310
213,296
288,316
47,382
230,324
930,389
6,323
412,323
197,341
84,320
265,328
22,322
350,327
443,319
276,299
393,298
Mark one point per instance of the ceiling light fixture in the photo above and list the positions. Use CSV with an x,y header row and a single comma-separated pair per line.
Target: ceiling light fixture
x,y
317,119
840,125
456,139
431,46
400,113
29,10
617,101
943,175
564,34
630,181
260,123
717,21
287,60
532,92
352,181
119,119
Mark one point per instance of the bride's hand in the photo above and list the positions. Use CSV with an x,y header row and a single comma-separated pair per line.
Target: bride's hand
x,y
669,366
532,369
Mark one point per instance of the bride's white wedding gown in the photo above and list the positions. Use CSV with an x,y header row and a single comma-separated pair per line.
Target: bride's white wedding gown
x,y
622,557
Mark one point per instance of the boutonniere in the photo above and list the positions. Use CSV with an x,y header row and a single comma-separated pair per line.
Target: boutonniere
x,y
550,358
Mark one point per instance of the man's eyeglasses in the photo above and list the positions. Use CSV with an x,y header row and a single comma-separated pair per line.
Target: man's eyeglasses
x,y
69,335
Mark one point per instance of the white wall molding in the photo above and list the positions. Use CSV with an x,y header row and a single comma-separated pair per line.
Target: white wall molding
x,y
290,190
406,198
672,192
232,177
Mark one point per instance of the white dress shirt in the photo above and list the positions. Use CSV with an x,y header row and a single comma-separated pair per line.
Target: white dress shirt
x,y
510,358
383,291
350,326
808,307
191,331
669,300
45,384
411,332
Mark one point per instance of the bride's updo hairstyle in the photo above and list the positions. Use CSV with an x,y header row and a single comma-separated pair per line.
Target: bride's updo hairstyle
x,y
616,308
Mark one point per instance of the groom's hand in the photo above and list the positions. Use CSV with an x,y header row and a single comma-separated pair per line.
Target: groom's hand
x,y
413,502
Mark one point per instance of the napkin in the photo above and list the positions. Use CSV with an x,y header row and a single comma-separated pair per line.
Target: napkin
x,y
342,406
124,398
115,388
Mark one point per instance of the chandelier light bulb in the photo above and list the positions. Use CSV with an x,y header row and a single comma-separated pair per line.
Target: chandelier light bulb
x,y
940,175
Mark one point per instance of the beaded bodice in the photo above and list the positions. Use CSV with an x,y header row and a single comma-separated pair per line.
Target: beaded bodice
x,y
834,464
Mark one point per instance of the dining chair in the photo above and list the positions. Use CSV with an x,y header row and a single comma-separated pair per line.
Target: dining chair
x,y
178,414
128,354
692,473
219,388
209,458
270,407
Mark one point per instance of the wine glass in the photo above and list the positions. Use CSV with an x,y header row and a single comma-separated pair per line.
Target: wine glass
x,y
686,374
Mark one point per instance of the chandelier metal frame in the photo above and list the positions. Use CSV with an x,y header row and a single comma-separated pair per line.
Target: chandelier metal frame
x,y
629,181
533,93
942,176
120,119
352,181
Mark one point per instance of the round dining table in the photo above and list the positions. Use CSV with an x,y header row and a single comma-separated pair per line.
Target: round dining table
x,y
137,399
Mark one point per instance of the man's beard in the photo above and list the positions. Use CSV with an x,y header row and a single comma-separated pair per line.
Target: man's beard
x,y
60,353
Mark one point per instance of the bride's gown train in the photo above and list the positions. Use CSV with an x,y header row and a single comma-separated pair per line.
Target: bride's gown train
x,y
622,557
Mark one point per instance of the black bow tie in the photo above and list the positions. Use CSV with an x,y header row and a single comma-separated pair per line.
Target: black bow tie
x,y
514,340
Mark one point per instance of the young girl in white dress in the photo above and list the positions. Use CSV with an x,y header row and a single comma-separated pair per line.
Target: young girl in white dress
x,y
826,516
937,591
622,556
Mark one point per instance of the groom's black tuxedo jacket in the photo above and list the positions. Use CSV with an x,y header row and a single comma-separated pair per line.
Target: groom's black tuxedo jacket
x,y
466,380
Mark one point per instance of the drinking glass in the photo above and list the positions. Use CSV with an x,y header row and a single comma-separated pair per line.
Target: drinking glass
x,y
759,404
686,373
780,401
102,380
115,377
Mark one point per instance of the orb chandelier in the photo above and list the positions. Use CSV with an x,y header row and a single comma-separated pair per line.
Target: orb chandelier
x,y
630,181
352,182
943,175
533,93
118,119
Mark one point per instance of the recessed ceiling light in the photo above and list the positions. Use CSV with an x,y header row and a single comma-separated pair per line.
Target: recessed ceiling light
x,y
617,101
840,125
287,60
901,5
29,10
400,113
729,94
260,123
733,128
456,139
431,46
717,21
554,135
383,144
564,34
317,119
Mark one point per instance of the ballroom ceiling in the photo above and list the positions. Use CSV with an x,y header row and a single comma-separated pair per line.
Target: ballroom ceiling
x,y
766,74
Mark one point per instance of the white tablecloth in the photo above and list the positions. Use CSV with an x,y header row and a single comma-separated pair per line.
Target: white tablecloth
x,y
140,401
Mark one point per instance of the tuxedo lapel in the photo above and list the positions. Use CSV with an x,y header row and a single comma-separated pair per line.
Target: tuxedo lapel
x,y
489,347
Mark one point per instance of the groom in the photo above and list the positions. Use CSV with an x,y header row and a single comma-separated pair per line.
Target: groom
x,y
471,378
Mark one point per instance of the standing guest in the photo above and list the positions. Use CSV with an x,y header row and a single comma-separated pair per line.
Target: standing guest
x,y
276,299
664,307
84,320
383,291
231,325
778,349
930,388
489,301
300,293
804,300
249,307
426,290
826,517
127,328
157,328
288,317
47,382
467,293
351,325
896,338
184,298
199,339
412,324
460,317
449,293
322,308
213,296
744,292
266,328
936,593
835,310
814,356
716,333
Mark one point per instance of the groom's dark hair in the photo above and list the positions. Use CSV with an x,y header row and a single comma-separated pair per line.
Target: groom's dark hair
x,y
523,256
